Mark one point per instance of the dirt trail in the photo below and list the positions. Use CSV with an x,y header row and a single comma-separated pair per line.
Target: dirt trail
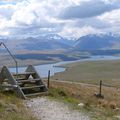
x,y
46,109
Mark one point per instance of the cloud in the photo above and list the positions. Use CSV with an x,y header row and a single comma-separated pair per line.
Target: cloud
x,y
88,9
111,17
4,33
65,17
76,32
26,17
7,11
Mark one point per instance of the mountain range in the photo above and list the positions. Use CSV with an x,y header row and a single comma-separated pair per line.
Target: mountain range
x,y
56,42
98,42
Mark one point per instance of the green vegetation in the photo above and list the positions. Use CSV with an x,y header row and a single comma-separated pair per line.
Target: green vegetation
x,y
92,72
61,94
12,108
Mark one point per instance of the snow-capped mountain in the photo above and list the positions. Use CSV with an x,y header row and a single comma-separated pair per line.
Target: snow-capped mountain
x,y
98,42
47,42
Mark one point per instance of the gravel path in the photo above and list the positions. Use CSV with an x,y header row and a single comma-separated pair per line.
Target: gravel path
x,y
46,109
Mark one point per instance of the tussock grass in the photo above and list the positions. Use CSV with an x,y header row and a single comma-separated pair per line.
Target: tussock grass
x,y
12,108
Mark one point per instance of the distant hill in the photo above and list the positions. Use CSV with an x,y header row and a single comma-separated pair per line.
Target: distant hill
x,y
47,42
98,42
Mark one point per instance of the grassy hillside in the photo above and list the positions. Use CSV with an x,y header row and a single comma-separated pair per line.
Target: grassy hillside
x,y
92,72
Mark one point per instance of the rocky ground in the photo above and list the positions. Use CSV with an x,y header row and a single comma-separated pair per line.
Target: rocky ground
x,y
45,109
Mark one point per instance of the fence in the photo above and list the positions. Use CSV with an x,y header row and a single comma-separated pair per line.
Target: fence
x,y
6,57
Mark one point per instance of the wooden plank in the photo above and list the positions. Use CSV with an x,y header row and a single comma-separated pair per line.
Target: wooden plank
x,y
30,87
28,80
15,80
9,86
36,94
7,75
25,73
31,68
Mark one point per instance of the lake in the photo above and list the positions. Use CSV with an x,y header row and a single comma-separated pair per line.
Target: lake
x,y
54,68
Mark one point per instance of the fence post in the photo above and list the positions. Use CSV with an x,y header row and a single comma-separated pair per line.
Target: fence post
x,y
99,95
100,92
48,83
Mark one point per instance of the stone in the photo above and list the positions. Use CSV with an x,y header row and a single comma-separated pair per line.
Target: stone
x,y
12,108
81,104
98,95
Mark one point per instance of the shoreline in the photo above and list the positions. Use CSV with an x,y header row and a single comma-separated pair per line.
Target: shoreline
x,y
32,63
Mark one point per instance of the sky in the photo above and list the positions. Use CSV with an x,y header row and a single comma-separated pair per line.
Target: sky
x,y
68,18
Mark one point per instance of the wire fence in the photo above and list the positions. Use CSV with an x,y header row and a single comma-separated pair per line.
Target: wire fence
x,y
108,85
6,58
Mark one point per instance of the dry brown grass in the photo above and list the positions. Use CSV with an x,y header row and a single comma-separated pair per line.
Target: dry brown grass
x,y
107,107
86,91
